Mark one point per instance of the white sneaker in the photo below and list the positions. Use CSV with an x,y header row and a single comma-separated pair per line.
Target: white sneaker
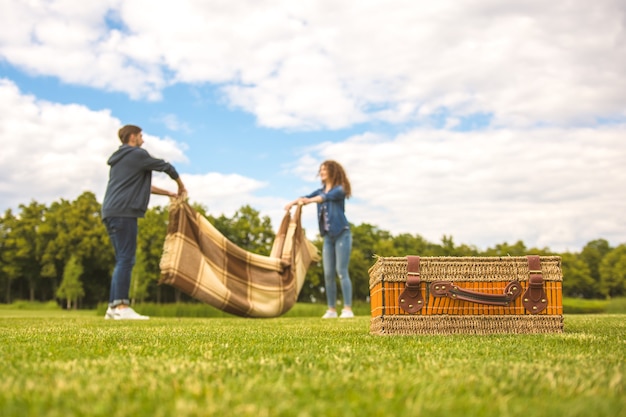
x,y
110,314
330,314
128,314
346,314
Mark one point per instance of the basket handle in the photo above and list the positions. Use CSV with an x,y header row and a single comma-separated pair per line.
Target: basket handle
x,y
450,290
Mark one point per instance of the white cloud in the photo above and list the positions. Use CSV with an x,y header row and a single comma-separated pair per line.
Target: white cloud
x,y
172,122
70,40
553,187
52,151
167,148
545,170
224,194
312,65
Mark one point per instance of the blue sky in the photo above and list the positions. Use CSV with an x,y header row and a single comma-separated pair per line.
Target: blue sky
x,y
486,122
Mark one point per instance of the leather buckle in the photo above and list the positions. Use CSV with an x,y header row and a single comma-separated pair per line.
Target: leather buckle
x,y
535,299
411,300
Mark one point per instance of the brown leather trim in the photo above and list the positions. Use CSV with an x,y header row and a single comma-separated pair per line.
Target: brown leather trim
x,y
411,300
450,290
534,298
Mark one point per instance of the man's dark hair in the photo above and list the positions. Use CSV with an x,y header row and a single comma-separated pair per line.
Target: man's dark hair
x,y
125,132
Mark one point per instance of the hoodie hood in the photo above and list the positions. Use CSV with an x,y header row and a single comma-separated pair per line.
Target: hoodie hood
x,y
118,155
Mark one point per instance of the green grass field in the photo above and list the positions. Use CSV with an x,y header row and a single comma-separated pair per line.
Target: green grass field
x,y
59,363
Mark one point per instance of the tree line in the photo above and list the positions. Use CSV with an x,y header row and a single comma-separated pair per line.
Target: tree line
x,y
62,252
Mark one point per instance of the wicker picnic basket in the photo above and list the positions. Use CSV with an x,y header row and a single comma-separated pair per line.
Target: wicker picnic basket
x,y
475,295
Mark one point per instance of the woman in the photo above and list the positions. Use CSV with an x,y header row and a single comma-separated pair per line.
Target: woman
x,y
335,230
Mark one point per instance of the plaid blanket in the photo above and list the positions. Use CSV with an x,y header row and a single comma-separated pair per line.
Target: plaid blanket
x,y
198,260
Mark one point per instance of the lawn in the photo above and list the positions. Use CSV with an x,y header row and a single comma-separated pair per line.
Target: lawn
x,y
57,363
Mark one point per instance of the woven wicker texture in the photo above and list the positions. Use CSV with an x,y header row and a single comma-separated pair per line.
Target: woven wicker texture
x,y
442,325
394,269
443,315
384,300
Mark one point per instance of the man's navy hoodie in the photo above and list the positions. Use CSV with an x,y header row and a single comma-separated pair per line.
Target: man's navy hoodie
x,y
130,179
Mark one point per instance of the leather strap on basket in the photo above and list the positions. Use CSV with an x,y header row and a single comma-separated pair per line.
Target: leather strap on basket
x,y
450,290
535,299
410,299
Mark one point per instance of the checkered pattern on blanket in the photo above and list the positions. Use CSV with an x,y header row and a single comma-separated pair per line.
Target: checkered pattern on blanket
x,y
198,260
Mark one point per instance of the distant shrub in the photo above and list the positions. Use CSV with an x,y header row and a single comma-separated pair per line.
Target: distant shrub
x,y
616,306
33,305
582,306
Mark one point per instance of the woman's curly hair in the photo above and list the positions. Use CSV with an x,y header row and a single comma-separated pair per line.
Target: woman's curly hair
x,y
337,176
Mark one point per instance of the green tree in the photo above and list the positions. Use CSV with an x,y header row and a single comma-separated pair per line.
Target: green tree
x,y
390,246
312,290
71,288
24,247
56,253
613,272
447,246
577,281
247,230
38,243
150,239
76,228
592,254
505,249
8,268
404,244
368,241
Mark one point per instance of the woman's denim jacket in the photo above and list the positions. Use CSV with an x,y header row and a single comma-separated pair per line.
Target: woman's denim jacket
x,y
333,203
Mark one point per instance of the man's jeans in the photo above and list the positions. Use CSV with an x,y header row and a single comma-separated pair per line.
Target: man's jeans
x,y
336,257
123,234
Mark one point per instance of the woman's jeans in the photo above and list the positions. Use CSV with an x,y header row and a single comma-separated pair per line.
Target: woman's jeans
x,y
336,257
123,234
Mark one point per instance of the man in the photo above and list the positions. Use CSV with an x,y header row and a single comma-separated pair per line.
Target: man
x,y
126,199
